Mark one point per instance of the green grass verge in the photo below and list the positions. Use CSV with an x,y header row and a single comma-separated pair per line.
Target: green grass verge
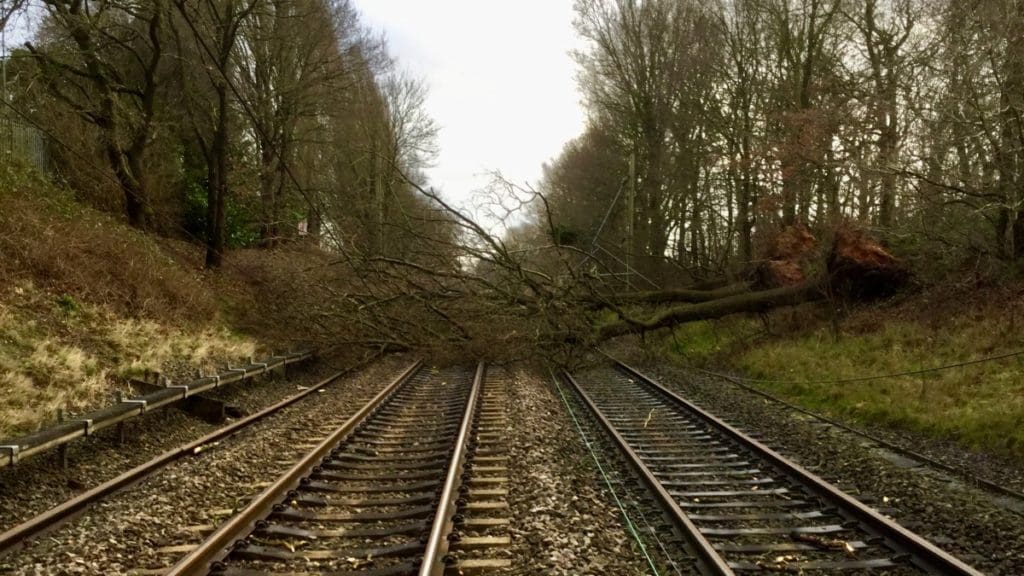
x,y
980,406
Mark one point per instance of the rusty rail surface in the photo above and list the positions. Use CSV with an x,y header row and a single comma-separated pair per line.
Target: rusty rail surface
x,y
15,449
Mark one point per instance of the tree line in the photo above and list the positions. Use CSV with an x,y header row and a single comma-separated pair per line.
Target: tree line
x,y
715,124
232,123
715,129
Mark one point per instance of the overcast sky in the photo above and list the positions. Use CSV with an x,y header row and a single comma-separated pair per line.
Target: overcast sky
x,y
502,82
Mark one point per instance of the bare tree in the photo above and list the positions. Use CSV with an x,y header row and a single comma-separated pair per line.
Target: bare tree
x,y
8,9
884,28
210,35
290,64
109,76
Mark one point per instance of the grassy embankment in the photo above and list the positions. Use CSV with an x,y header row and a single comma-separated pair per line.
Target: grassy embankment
x,y
87,302
980,406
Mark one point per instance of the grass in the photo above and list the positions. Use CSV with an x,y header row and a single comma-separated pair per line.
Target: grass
x,y
51,360
87,303
980,406
83,255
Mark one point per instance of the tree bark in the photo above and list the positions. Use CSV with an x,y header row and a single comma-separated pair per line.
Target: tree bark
x,y
1010,152
111,94
217,190
717,308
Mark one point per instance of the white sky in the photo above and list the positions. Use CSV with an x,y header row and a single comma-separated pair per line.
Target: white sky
x,y
502,83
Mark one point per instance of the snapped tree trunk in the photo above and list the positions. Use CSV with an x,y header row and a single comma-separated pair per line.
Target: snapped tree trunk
x,y
717,308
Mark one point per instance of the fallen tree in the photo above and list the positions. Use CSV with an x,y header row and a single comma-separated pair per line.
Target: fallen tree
x,y
474,292
682,295
857,268
759,301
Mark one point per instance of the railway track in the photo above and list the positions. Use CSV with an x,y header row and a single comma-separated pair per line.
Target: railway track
x,y
18,535
408,485
483,541
739,506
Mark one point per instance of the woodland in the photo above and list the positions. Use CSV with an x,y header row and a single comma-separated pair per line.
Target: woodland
x,y
739,155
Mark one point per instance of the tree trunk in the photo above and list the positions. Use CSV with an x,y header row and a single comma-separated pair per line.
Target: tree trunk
x,y
791,190
1011,132
679,295
750,302
125,162
268,190
831,192
314,224
217,189
746,199
135,206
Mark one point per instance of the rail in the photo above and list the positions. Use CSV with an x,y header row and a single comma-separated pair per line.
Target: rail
x,y
53,517
220,543
710,561
444,521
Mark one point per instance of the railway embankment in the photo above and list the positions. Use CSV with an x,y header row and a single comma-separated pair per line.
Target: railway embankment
x,y
88,305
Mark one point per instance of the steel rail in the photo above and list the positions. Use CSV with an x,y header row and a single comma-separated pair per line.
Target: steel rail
x,y
710,561
58,514
924,554
437,544
218,545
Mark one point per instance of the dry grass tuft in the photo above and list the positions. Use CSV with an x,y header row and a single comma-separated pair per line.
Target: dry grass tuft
x,y
142,345
87,303
42,370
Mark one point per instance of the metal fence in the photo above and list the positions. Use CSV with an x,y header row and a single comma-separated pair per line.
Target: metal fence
x,y
19,140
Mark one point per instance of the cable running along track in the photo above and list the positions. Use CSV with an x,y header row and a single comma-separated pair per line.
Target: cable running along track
x,y
740,506
378,497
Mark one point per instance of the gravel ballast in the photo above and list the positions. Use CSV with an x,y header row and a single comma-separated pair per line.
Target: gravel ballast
x,y
968,463
147,526
564,521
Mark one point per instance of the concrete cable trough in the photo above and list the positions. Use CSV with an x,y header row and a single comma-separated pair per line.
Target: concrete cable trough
x,y
15,449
